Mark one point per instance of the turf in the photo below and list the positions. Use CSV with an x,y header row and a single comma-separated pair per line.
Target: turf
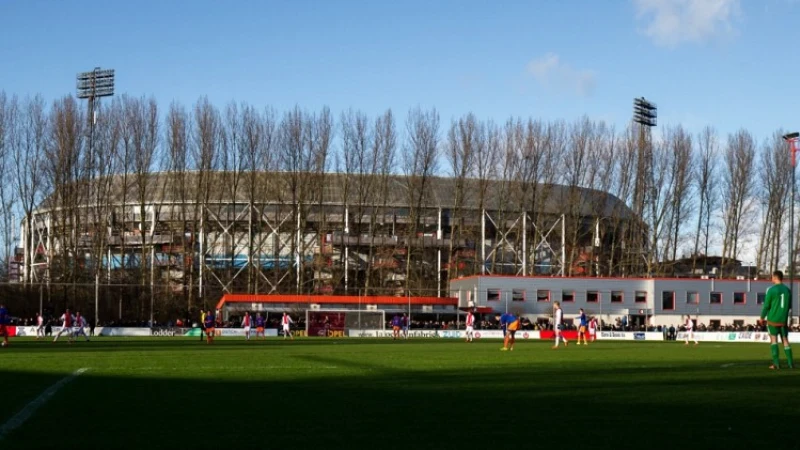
x,y
153,393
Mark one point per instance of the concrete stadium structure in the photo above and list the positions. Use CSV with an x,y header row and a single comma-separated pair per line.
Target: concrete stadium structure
x,y
284,232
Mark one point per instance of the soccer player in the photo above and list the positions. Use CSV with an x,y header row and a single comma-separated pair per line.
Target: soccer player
x,y
80,326
405,326
3,324
397,323
689,330
39,326
470,326
246,325
260,322
510,324
593,329
776,311
558,324
583,323
209,327
287,321
67,319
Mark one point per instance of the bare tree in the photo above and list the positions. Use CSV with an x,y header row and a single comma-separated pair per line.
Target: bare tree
x,y
64,171
681,201
9,196
205,154
28,142
737,194
384,153
773,190
420,162
706,177
464,141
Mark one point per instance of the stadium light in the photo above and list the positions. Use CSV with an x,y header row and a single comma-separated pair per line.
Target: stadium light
x,y
92,86
645,113
792,139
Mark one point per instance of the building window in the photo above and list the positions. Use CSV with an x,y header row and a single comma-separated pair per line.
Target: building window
x,y
641,297
716,298
739,298
592,297
567,296
518,295
668,300
542,296
617,297
493,295
692,298
760,297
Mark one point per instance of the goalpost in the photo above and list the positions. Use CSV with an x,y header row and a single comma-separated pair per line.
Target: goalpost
x,y
337,322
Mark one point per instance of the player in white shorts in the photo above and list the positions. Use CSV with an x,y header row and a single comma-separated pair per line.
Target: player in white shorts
x,y
690,331
593,329
246,324
470,326
67,320
287,321
80,326
558,322
39,326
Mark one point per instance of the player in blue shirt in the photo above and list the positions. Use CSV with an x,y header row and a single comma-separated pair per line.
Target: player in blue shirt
x,y
3,324
209,325
260,324
583,323
397,323
510,324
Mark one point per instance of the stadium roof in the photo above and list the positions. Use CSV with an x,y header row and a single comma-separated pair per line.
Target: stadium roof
x,y
338,189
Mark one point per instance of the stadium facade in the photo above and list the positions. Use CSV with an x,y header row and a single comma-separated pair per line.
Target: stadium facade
x,y
650,301
204,234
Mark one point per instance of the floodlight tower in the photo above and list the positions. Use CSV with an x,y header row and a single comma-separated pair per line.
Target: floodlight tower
x,y
645,113
92,86
792,139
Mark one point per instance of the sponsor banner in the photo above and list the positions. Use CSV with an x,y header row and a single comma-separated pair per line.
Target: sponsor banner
x,y
168,331
444,334
120,331
733,336
569,334
630,335
239,332
98,331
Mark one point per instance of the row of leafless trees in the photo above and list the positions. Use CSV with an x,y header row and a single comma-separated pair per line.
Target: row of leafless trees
x,y
695,193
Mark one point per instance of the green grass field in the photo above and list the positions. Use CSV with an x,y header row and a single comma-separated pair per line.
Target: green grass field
x,y
152,393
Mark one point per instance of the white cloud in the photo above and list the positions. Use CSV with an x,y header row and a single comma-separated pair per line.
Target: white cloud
x,y
674,22
550,71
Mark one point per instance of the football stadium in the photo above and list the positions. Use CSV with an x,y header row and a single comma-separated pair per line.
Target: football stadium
x,y
458,265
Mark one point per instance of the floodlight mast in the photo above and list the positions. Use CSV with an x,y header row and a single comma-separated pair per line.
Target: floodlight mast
x,y
645,113
792,139
92,86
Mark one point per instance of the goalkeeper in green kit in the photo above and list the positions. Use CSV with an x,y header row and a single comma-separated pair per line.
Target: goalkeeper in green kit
x,y
777,303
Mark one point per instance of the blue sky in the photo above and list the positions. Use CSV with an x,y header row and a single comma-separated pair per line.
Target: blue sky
x,y
726,63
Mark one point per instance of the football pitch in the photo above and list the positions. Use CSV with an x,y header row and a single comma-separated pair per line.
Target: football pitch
x,y
153,393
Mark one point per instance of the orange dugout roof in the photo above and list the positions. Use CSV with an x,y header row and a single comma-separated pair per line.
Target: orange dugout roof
x,y
335,299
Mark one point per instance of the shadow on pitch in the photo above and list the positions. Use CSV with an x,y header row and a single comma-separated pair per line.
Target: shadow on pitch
x,y
374,406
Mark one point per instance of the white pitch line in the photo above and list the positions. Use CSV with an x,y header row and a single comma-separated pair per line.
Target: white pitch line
x,y
26,413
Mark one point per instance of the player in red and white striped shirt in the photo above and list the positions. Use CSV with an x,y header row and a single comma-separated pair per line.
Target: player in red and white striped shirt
x,y
470,326
67,320
246,323
286,321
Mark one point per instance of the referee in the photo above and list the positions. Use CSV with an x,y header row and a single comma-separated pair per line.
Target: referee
x,y
202,324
